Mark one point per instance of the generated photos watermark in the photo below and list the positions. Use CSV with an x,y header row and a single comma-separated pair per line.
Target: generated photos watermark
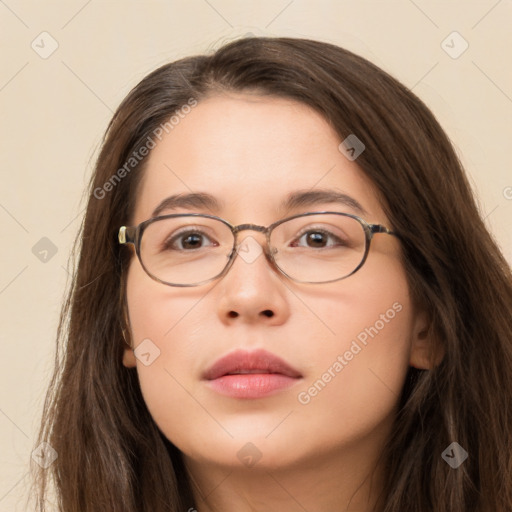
x,y
143,151
249,454
454,455
351,147
357,345
146,352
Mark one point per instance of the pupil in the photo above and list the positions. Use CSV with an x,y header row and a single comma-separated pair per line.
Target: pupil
x,y
194,238
315,238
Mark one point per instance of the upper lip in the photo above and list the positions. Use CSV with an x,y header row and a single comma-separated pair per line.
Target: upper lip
x,y
242,361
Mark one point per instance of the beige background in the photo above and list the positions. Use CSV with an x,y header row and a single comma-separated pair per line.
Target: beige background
x,y
54,111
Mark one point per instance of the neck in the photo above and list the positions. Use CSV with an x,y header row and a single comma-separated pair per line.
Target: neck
x,y
347,479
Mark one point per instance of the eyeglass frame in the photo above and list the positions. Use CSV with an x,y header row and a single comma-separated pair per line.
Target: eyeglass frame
x,y
133,235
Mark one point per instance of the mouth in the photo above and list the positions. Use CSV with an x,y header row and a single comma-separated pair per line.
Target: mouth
x,y
256,374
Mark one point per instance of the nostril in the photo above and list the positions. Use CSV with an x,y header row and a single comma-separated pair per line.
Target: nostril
x,y
267,312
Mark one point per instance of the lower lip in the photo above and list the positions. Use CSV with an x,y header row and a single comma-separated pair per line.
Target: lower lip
x,y
251,385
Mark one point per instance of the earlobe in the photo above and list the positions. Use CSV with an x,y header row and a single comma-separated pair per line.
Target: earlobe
x,y
426,352
128,355
129,358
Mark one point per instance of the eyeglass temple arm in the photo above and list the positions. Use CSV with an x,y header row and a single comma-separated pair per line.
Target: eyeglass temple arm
x,y
378,228
126,235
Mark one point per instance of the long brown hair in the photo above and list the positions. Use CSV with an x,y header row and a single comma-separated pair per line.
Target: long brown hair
x,y
112,456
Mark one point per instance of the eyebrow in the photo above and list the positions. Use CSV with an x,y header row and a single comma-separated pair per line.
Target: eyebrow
x,y
294,201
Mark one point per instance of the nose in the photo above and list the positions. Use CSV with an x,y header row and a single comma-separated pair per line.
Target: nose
x,y
252,288
252,246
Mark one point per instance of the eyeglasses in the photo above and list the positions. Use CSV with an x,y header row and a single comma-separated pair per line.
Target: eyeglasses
x,y
193,249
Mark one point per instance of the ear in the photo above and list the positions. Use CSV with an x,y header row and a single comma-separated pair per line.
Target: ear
x,y
128,354
426,351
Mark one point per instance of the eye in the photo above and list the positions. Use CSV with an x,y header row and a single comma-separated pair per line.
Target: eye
x,y
186,240
318,238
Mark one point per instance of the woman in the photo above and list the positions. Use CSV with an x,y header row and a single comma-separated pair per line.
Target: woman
x,y
285,299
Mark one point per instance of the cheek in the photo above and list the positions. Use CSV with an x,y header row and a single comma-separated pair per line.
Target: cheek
x,y
162,329
366,364
358,373
157,312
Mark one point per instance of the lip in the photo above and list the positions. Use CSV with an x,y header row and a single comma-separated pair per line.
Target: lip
x,y
243,374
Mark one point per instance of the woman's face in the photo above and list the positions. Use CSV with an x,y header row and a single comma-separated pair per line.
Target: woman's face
x,y
351,341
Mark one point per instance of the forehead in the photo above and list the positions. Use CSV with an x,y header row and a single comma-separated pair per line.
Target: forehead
x,y
250,152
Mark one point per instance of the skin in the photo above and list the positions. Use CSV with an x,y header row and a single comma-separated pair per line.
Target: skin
x,y
251,151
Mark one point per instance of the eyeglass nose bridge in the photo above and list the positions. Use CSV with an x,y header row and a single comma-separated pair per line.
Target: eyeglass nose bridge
x,y
252,227
266,247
